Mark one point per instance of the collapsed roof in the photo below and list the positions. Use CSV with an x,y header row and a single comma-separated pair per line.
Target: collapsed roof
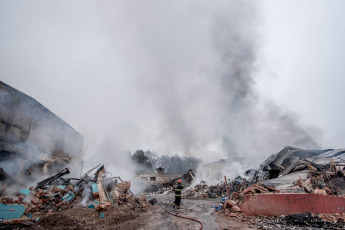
x,y
291,164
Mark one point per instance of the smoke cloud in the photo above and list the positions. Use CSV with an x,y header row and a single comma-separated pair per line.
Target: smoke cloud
x,y
175,77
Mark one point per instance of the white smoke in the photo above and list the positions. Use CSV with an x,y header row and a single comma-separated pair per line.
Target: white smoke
x,y
174,77
214,173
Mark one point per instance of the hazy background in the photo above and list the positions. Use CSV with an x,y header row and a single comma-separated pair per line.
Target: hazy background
x,y
212,79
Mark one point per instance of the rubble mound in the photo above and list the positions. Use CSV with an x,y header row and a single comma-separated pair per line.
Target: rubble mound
x,y
57,202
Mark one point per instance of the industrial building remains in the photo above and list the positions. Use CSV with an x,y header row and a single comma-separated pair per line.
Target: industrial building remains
x,y
291,189
33,140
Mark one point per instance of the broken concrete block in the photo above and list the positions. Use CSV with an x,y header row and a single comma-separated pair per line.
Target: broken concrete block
x,y
249,190
103,206
235,209
320,191
329,192
307,188
235,195
142,198
120,189
233,214
229,203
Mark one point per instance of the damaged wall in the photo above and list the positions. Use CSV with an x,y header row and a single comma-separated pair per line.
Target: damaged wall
x,y
30,134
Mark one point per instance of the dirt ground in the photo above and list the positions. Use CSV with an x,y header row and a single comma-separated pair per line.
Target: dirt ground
x,y
147,218
86,218
198,209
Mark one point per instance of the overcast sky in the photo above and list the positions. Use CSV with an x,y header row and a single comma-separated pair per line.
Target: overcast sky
x,y
150,74
304,54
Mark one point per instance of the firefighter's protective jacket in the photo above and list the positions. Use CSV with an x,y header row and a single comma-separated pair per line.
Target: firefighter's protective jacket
x,y
178,188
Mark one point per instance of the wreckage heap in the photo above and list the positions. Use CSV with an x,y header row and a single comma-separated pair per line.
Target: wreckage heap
x,y
57,193
291,181
308,169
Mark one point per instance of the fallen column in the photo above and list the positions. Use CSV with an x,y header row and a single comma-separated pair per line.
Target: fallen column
x,y
104,203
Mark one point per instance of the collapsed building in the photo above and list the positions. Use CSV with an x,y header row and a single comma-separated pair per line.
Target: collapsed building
x,y
292,181
284,168
33,140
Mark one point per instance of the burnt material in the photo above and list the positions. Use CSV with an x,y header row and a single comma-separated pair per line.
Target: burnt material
x,y
51,179
295,221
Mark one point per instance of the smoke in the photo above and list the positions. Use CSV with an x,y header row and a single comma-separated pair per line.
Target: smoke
x,y
31,137
176,77
200,76
214,173
86,195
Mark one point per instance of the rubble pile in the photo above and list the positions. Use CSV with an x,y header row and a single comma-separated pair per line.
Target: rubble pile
x,y
204,191
56,194
235,187
287,178
230,205
163,188
294,170
198,191
320,181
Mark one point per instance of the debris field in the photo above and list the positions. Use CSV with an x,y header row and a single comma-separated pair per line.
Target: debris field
x,y
290,190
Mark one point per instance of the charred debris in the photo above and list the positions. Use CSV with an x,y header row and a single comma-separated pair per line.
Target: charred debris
x,y
293,187
58,193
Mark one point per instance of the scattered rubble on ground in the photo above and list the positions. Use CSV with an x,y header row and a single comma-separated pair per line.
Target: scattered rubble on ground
x,y
294,182
56,194
293,189
293,178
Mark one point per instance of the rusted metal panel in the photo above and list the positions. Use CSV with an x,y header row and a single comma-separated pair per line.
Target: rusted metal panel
x,y
285,204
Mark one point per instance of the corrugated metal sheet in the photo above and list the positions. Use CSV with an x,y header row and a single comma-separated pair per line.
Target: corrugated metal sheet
x,y
11,211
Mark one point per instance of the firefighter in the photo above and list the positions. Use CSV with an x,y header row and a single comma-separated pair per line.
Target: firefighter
x,y
177,189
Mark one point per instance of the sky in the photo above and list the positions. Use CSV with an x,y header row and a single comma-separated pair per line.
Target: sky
x,y
304,52
212,79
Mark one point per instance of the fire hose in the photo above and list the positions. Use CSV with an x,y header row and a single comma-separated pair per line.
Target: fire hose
x,y
188,218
